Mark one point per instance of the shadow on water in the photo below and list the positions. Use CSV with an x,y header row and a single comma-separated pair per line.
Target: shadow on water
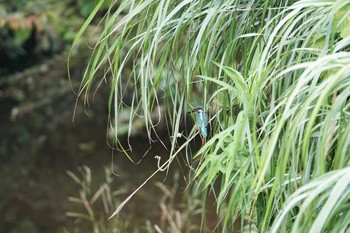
x,y
39,143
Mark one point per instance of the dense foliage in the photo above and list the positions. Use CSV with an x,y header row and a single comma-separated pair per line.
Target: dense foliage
x,y
275,78
31,29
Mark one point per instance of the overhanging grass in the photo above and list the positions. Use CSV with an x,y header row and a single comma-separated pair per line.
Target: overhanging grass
x,y
274,73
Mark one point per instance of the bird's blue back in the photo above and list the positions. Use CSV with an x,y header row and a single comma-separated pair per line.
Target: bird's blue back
x,y
202,121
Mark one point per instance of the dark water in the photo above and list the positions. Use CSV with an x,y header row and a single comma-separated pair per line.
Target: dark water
x,y
39,143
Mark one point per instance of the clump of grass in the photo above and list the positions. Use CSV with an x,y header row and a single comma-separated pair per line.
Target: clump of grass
x,y
275,76
94,205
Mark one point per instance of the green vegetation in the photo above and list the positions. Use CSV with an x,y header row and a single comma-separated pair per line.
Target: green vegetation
x,y
176,215
39,27
275,78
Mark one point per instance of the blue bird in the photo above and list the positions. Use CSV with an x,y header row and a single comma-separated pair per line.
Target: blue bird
x,y
202,120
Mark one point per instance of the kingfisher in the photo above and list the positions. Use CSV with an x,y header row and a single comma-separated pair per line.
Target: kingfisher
x,y
202,121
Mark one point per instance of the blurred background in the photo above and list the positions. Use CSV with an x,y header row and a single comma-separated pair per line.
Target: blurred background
x,y
55,171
